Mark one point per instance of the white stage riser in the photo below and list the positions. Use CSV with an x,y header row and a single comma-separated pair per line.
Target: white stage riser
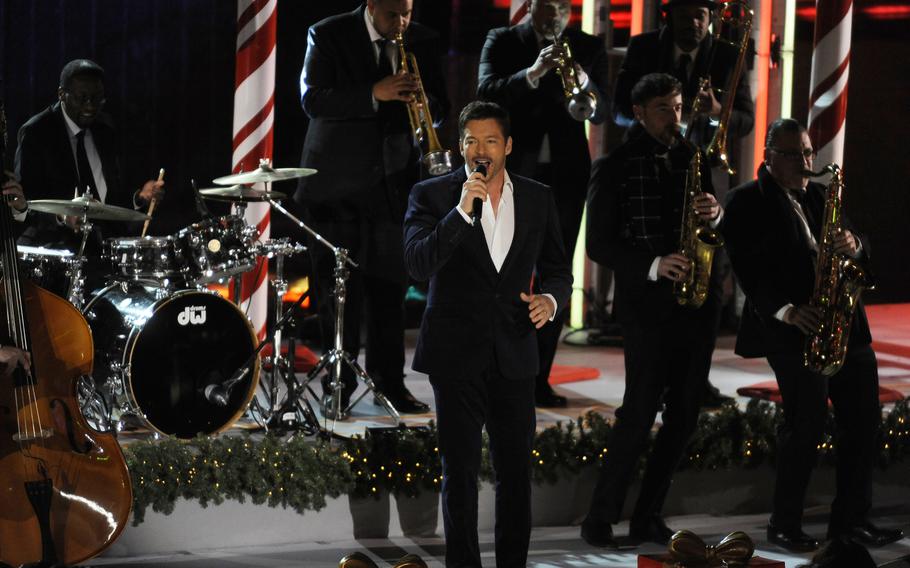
x,y
193,528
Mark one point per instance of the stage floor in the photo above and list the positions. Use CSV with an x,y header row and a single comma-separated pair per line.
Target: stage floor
x,y
561,546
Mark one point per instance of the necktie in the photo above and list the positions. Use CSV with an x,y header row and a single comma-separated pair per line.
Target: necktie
x,y
682,69
385,64
86,179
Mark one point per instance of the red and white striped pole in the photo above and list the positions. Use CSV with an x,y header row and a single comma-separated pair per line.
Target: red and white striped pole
x,y
254,117
830,72
518,11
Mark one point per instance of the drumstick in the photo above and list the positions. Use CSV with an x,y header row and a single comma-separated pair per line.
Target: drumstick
x,y
152,203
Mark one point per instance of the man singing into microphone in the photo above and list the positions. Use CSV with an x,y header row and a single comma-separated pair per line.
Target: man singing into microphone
x,y
477,340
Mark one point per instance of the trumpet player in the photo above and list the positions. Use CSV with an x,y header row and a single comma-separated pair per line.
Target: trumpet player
x,y
360,141
522,68
684,48
635,209
772,229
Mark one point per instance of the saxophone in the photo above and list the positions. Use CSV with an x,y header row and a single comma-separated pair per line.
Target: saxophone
x,y
839,280
697,240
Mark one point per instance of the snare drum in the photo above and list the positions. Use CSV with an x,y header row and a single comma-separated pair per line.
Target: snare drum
x,y
161,352
217,248
143,258
50,269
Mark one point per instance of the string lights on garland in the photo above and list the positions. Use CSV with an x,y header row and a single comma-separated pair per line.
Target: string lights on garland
x,y
302,474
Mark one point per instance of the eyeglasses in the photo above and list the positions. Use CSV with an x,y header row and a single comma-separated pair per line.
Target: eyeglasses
x,y
83,100
798,155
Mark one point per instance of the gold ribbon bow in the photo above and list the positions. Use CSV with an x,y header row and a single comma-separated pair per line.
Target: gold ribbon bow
x,y
689,551
361,560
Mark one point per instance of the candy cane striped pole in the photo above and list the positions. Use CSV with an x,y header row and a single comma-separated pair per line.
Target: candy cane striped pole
x,y
830,71
518,11
254,116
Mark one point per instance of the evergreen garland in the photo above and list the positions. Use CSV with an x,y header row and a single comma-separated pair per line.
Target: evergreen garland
x,y
302,474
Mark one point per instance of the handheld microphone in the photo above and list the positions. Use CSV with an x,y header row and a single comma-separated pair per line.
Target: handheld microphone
x,y
477,204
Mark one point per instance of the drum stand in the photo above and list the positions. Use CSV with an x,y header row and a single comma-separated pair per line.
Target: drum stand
x,y
333,360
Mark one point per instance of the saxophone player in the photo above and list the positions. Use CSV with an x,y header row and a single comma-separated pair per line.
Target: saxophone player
x,y
635,207
772,231
522,69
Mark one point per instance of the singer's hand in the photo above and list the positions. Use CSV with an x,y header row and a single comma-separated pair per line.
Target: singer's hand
x,y
474,187
151,190
540,308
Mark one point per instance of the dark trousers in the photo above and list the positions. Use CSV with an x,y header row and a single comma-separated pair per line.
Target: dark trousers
x,y
570,204
375,290
854,394
464,405
666,361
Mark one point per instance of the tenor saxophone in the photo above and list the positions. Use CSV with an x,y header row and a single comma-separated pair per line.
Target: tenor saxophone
x,y
697,241
839,281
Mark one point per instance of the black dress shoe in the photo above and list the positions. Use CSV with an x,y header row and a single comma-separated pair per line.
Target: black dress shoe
x,y
794,540
549,399
711,398
404,402
868,534
600,536
652,530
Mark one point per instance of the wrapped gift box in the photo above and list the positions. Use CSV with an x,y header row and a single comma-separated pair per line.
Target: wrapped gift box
x,y
664,561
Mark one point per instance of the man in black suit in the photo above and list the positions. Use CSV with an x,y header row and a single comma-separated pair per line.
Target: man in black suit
x,y
772,229
683,48
634,218
69,147
360,141
477,340
517,70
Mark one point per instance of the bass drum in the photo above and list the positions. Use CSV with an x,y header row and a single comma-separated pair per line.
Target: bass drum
x,y
156,352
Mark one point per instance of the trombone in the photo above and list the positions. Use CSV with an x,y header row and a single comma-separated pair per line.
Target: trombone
x,y
437,160
717,148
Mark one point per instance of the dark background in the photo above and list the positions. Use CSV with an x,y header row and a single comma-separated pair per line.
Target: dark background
x,y
170,80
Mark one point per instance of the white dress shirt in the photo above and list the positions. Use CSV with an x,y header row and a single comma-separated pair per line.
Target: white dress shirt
x,y
499,226
94,159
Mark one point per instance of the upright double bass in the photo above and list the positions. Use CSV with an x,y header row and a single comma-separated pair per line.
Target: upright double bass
x,y
64,488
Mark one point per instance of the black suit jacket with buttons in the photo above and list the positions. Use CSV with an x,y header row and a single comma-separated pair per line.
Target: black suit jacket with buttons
x,y
774,262
474,313
352,145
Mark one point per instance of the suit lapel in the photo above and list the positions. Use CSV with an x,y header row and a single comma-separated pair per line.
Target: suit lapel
x,y
364,46
66,149
521,226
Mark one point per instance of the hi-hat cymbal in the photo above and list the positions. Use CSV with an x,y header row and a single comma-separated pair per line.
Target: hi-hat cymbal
x,y
264,173
239,193
91,208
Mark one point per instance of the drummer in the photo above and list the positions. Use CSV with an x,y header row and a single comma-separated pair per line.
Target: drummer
x,y
68,148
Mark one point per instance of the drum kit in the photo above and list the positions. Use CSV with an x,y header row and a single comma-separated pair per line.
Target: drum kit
x,y
175,357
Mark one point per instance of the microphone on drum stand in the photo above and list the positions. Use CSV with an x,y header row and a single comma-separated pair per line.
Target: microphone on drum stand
x,y
201,207
219,394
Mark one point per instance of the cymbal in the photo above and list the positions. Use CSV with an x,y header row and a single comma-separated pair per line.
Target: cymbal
x,y
239,193
91,208
264,173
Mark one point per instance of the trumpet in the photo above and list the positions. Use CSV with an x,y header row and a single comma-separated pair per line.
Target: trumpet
x,y
717,148
580,104
437,160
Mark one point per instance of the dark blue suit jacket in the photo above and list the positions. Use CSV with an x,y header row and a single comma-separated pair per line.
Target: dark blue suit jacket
x,y
474,313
